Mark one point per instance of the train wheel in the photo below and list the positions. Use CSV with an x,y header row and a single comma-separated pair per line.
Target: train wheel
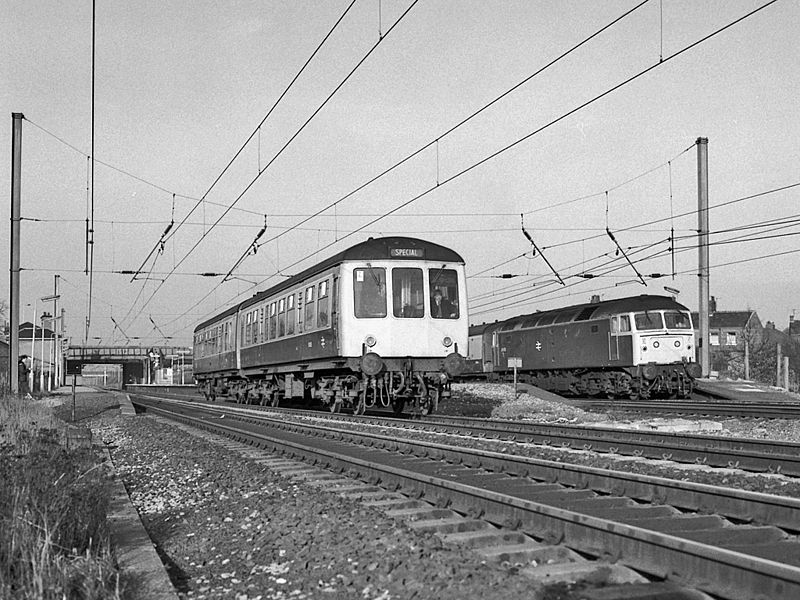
x,y
361,404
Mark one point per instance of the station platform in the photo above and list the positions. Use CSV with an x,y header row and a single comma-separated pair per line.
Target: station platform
x,y
746,391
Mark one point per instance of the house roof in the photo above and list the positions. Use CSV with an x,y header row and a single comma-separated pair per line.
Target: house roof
x,y
722,319
25,332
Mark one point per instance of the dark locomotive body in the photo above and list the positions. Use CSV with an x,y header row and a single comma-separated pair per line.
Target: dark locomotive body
x,y
636,347
356,330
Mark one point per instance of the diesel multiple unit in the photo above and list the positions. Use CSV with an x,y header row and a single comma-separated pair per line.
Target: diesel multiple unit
x,y
380,323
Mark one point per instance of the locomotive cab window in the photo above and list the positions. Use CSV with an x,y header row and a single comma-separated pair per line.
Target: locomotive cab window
x,y
648,321
677,320
443,293
407,293
624,323
369,292
322,305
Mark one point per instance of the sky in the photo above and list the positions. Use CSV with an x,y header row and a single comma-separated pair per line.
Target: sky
x,y
180,87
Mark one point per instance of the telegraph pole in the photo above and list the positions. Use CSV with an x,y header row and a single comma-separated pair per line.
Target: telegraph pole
x,y
702,234
16,204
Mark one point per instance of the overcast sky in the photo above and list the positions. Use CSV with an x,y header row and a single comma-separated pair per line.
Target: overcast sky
x,y
181,85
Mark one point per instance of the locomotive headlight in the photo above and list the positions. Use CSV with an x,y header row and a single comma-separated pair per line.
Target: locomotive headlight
x,y
447,341
656,344
370,340
644,348
677,343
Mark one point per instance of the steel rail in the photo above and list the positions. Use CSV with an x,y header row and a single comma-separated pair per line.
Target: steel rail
x,y
743,453
774,410
724,572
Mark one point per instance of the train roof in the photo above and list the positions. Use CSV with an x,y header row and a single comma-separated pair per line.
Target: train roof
x,y
393,247
593,310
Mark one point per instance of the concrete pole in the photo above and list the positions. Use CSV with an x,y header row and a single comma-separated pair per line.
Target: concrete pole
x,y
746,358
16,204
57,341
702,234
778,372
786,373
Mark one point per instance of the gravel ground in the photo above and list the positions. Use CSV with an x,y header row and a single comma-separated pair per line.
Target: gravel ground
x,y
227,527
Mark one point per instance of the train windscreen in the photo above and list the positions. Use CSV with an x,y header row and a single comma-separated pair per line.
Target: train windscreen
x,y
648,320
369,292
677,320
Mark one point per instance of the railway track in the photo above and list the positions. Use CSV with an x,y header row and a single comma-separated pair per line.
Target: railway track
x,y
729,543
716,408
761,456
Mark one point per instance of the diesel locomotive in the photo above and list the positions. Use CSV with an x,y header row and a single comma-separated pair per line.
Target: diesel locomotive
x,y
379,324
636,347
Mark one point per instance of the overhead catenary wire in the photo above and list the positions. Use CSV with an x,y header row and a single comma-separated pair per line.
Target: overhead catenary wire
x,y
529,135
286,145
257,129
458,125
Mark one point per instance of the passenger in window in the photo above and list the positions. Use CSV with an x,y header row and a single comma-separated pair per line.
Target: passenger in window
x,y
441,307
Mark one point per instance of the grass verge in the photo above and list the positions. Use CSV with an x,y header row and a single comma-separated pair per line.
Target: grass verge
x,y
53,538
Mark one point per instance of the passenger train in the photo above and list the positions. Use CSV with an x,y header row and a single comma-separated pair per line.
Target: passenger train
x,y
379,324
636,347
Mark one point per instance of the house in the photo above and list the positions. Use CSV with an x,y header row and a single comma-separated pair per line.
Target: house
x,y
729,331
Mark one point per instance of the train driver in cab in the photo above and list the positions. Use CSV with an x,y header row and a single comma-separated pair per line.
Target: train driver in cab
x,y
441,307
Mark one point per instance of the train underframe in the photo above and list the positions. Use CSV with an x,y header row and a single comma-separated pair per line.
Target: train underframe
x,y
401,388
634,383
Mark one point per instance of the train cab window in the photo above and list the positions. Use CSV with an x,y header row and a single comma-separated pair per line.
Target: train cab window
x,y
310,306
369,292
281,317
648,320
290,315
322,304
273,320
443,293
408,301
677,320
624,323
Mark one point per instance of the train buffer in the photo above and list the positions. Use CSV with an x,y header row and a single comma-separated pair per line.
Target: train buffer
x,y
745,391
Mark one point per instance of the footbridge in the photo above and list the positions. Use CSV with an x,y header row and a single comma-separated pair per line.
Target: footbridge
x,y
140,364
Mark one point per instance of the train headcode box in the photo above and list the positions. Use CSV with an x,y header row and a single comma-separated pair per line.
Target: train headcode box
x,y
514,363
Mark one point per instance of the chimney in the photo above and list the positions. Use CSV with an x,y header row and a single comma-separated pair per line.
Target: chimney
x,y
712,305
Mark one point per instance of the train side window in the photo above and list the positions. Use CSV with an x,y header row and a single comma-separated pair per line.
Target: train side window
x,y
248,333
310,306
281,317
322,304
369,292
408,301
273,320
444,282
546,320
624,323
614,327
290,315
564,317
